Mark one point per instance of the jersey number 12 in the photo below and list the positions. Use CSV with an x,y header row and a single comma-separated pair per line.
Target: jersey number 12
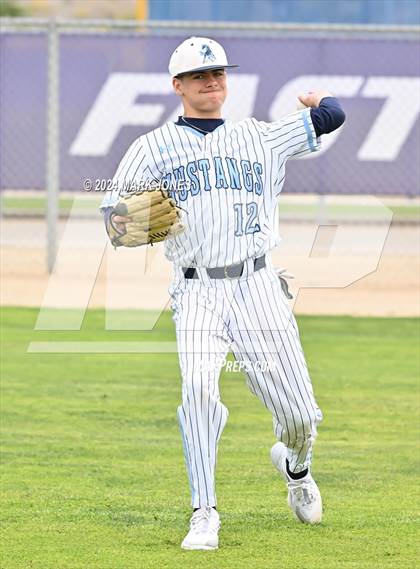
x,y
251,225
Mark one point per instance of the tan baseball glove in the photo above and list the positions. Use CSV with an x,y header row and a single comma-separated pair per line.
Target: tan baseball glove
x,y
149,217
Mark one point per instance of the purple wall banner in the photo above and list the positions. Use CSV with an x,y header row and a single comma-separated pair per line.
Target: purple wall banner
x,y
115,87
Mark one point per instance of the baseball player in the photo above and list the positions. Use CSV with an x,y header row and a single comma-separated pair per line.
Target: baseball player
x,y
226,179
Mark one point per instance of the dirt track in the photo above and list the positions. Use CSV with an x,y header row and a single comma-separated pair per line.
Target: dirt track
x,y
325,265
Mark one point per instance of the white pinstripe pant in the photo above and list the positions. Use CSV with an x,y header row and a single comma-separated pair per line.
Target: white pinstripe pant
x,y
251,317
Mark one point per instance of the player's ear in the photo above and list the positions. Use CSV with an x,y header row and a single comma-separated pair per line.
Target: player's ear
x,y
177,85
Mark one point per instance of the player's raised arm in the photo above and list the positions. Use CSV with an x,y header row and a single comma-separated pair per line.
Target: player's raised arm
x,y
326,112
298,133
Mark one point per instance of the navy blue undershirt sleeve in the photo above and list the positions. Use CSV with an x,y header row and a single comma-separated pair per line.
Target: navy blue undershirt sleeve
x,y
328,116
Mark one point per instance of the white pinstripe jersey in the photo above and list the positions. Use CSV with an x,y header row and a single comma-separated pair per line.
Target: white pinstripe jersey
x,y
227,182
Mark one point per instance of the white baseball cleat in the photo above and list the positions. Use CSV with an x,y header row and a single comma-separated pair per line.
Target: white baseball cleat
x,y
304,497
204,528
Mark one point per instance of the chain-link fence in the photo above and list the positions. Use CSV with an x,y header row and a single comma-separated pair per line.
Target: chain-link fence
x,y
75,94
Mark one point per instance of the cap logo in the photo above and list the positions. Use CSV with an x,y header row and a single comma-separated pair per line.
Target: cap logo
x,y
207,53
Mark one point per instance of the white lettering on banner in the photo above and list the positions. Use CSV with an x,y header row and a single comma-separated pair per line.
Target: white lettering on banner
x,y
116,106
286,99
396,117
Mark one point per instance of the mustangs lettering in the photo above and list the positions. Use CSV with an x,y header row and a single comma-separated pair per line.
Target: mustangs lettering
x,y
226,183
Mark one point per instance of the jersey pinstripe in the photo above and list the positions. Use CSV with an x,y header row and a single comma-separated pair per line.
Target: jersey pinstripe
x,y
226,182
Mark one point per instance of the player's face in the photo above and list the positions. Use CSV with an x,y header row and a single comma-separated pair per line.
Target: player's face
x,y
203,93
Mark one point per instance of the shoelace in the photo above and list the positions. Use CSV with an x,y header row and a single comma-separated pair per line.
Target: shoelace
x,y
202,518
303,491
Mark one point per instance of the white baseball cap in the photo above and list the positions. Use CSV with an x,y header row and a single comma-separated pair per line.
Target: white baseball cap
x,y
197,54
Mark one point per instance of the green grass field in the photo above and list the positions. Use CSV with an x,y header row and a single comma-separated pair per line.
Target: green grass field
x,y
93,474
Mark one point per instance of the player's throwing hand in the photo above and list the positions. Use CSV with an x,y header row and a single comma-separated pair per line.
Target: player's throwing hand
x,y
313,98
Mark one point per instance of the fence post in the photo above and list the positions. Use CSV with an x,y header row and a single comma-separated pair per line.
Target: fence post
x,y
53,143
